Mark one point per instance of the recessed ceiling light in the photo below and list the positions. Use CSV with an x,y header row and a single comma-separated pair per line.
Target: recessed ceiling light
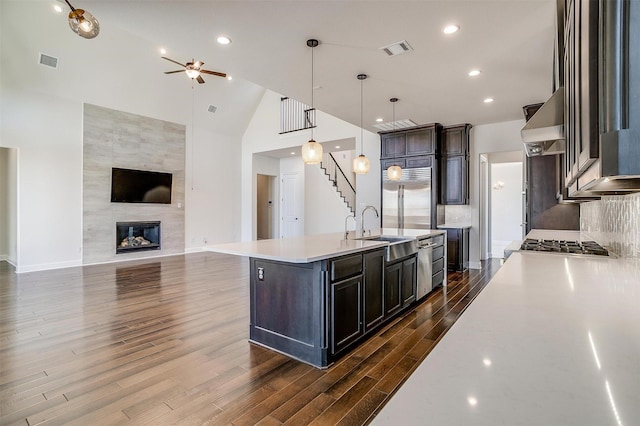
x,y
379,120
223,40
163,51
472,401
450,29
474,73
57,8
488,100
292,153
337,146
229,78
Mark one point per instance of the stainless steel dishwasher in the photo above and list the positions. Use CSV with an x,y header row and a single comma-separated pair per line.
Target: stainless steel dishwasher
x,y
425,265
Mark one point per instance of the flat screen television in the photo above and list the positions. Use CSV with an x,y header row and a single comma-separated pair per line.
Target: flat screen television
x,y
140,186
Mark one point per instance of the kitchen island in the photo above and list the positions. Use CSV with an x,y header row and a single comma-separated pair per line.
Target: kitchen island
x,y
316,297
552,340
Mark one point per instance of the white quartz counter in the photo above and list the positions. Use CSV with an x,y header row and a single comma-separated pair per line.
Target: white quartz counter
x,y
310,248
552,340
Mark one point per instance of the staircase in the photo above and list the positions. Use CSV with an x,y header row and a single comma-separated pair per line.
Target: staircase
x,y
343,186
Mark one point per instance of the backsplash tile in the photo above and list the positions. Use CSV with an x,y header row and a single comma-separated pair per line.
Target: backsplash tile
x,y
614,221
455,214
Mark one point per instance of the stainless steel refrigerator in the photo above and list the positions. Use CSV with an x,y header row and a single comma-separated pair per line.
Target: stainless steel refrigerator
x,y
406,203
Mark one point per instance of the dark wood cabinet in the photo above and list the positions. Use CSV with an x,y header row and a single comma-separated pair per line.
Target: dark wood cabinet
x,y
392,289
374,264
458,249
345,313
409,280
416,141
454,165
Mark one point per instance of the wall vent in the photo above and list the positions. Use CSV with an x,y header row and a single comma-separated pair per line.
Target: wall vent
x,y
395,125
397,48
212,108
48,60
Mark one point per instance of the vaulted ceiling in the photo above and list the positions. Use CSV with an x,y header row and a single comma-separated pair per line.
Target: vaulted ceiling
x,y
511,42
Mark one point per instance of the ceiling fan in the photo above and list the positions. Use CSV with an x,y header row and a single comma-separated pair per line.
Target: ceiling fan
x,y
193,70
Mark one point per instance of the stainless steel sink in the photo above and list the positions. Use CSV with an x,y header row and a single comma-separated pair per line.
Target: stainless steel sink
x,y
398,247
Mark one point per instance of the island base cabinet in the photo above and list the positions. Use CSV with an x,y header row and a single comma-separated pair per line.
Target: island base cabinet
x,y
288,309
345,301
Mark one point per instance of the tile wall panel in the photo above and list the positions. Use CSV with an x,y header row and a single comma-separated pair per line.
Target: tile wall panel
x,y
615,222
118,139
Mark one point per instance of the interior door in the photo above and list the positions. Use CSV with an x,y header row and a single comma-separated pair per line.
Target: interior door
x,y
292,205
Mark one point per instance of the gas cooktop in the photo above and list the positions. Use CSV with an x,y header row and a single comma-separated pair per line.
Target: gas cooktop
x,y
562,246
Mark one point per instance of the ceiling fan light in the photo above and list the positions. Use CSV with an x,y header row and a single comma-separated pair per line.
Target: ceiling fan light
x,y
191,73
394,172
83,23
312,152
361,165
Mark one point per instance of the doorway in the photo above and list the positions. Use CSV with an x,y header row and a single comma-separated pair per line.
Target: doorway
x,y
9,205
292,204
501,186
265,221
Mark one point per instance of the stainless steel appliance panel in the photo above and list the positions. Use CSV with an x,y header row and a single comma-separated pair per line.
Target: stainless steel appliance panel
x,y
425,258
407,203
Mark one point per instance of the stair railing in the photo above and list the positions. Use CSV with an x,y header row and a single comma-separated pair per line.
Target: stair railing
x,y
339,179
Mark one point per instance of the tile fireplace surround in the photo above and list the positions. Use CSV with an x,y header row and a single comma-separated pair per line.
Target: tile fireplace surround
x,y
118,139
614,221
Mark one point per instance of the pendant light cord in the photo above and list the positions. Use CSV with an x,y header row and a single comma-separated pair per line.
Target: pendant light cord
x,y
361,115
193,142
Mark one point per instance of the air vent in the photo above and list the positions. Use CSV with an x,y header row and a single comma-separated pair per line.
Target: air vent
x,y
397,48
49,61
212,108
395,125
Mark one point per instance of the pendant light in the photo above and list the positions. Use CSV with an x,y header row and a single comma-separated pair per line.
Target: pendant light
x,y
361,163
312,150
82,22
394,172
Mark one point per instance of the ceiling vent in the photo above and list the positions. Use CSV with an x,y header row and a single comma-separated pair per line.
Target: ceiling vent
x,y
212,108
47,60
395,125
397,48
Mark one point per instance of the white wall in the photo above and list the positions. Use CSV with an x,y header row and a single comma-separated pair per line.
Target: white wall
x,y
488,138
262,135
41,114
325,210
506,205
4,203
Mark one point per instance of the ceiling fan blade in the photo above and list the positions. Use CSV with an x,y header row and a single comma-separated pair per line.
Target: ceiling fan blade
x,y
171,60
173,72
219,74
200,79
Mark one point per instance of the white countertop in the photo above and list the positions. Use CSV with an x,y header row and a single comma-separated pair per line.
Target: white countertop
x,y
552,340
454,226
310,248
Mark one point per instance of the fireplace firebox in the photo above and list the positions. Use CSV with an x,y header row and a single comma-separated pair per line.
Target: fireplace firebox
x,y
137,236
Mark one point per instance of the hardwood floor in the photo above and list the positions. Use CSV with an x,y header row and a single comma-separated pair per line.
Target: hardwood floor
x,y
164,341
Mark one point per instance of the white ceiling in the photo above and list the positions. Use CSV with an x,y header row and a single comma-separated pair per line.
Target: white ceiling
x,y
511,41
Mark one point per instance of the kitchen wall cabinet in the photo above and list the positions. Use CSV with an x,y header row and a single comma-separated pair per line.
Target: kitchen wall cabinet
x,y
454,170
419,140
602,98
457,249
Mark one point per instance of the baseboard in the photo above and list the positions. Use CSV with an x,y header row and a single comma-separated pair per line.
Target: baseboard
x,y
194,250
9,260
47,266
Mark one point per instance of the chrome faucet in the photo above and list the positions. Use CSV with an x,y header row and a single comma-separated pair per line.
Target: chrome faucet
x,y
346,221
362,217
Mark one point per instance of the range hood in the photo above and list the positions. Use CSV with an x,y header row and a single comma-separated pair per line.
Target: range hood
x,y
544,132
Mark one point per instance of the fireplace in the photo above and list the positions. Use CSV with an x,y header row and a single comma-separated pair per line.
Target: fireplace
x,y
137,236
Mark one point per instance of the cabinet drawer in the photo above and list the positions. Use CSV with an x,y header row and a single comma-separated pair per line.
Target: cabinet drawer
x,y
438,265
397,162
438,253
438,239
424,161
344,267
437,279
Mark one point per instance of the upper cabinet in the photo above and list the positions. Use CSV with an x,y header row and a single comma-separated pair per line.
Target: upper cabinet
x,y
454,170
602,96
416,141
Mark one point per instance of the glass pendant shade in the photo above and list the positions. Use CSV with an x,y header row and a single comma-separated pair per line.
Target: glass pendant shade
x,y
394,172
361,165
83,23
191,73
312,152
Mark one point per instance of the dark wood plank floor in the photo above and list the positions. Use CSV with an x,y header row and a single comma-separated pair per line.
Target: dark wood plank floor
x,y
165,342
